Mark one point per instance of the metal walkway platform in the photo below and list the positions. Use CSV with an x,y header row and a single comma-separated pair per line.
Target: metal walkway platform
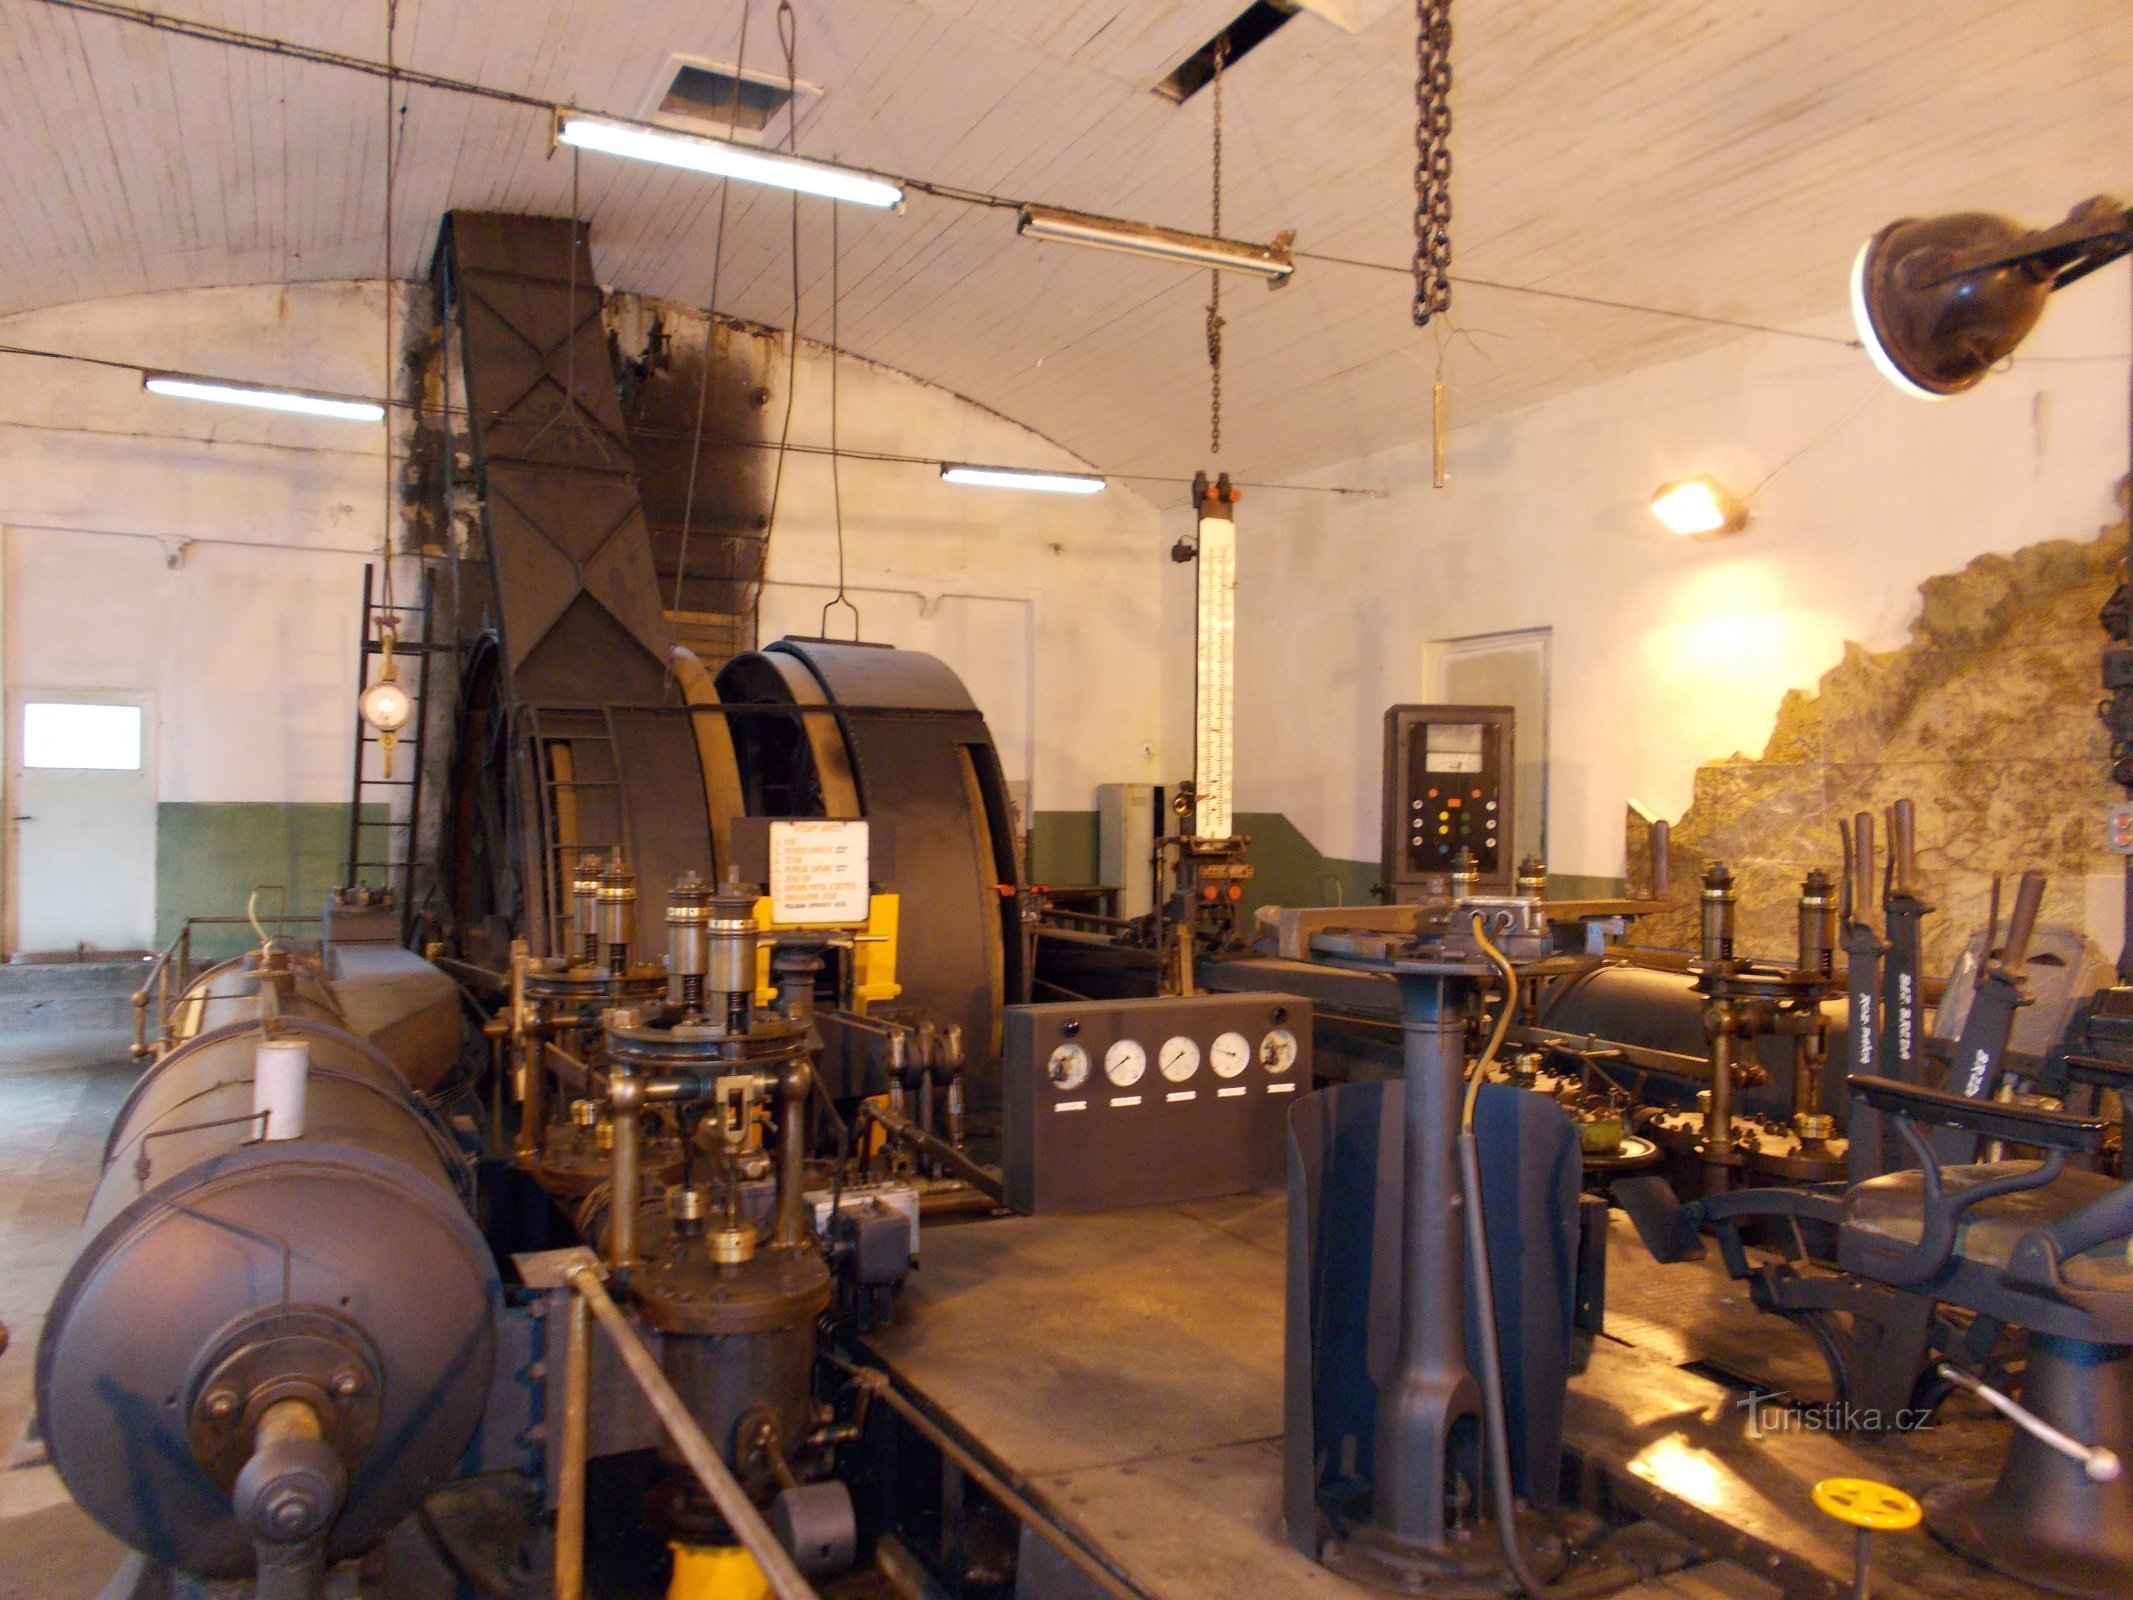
x,y
1124,1371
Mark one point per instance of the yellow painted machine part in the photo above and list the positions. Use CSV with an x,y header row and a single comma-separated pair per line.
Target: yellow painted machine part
x,y
873,954
716,1572
723,797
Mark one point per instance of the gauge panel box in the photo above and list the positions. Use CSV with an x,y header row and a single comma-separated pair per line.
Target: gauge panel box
x,y
1114,1103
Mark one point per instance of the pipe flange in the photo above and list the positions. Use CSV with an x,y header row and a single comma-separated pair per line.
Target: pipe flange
x,y
311,1356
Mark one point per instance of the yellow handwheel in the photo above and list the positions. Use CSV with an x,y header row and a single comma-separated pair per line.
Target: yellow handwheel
x,y
1867,1506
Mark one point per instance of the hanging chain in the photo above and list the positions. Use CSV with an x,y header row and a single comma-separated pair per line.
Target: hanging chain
x,y
1214,276
1433,159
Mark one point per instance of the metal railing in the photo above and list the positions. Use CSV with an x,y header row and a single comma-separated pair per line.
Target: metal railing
x,y
170,971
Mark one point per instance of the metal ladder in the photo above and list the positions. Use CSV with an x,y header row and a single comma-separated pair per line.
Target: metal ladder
x,y
573,752
394,853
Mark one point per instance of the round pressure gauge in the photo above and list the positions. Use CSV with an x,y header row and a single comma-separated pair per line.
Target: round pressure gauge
x,y
1124,1063
1069,1067
1229,1055
1277,1051
1179,1058
386,706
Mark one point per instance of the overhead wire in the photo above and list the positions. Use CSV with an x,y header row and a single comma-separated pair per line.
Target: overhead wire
x,y
233,38
703,377
789,42
836,477
792,446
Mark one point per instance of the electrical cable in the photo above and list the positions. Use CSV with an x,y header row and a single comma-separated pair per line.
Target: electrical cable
x,y
836,477
1494,1401
789,42
236,39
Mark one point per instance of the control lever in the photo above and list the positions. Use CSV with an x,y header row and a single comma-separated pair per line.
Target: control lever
x,y
1863,951
2002,990
2101,1465
1902,1043
1662,840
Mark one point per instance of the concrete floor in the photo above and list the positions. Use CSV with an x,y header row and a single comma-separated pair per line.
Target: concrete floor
x,y
63,1072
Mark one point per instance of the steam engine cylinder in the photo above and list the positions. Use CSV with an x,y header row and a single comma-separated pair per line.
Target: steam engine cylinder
x,y
223,1275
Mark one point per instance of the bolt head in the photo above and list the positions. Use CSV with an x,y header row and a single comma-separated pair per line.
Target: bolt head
x,y
221,1405
348,1384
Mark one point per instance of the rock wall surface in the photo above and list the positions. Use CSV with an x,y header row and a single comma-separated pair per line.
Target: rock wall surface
x,y
1986,720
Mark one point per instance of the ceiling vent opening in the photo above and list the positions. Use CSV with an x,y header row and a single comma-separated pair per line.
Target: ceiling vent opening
x,y
1253,26
709,97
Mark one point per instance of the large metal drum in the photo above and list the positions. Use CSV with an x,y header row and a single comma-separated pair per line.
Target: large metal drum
x,y
222,1273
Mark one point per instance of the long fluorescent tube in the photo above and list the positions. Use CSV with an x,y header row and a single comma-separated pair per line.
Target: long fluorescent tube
x,y
1271,262
242,394
724,160
1014,478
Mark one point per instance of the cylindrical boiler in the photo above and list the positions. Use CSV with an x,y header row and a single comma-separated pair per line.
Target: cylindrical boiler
x,y
227,1284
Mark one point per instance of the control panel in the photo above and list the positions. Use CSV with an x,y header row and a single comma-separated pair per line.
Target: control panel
x,y
1448,773
1136,1102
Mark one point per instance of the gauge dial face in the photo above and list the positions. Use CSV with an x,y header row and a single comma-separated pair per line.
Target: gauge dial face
x,y
1179,1058
1125,1062
1229,1055
386,706
1068,1068
1277,1051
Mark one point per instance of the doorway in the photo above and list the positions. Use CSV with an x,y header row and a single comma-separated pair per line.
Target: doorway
x,y
1507,669
82,820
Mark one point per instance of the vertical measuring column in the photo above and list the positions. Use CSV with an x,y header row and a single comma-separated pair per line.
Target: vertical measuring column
x,y
1214,668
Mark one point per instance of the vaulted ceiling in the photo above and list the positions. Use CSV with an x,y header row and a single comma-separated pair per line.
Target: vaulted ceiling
x,y
1722,157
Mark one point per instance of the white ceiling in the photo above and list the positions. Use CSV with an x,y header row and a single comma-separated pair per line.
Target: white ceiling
x,y
1717,156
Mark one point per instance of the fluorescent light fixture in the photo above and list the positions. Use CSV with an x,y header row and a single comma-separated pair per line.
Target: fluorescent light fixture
x,y
1697,506
724,160
1268,261
261,398
1016,478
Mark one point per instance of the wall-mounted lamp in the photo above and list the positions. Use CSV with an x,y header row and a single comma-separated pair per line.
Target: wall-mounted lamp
x,y
224,393
1697,508
1269,261
1940,301
1018,478
722,159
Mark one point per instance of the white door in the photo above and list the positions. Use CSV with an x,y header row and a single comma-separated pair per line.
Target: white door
x,y
1509,669
83,828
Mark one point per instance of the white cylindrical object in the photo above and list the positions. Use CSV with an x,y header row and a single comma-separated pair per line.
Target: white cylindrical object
x,y
281,1069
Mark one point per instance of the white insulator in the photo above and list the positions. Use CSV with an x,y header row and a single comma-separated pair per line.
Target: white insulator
x,y
281,1072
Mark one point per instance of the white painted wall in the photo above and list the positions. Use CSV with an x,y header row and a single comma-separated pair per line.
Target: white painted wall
x,y
213,556
1668,652
1049,606
208,554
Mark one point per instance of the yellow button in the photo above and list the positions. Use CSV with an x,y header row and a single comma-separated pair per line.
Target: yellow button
x,y
1866,1504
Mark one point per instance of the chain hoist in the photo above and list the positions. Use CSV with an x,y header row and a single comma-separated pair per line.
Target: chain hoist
x,y
1433,159
1214,278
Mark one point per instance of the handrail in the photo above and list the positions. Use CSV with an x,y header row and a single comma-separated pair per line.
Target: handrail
x,y
583,1276
170,971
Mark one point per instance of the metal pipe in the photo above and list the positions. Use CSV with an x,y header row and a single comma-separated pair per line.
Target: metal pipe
x,y
1718,1115
1718,904
795,1083
877,1383
570,1477
1430,1388
625,1098
899,1126
717,1479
